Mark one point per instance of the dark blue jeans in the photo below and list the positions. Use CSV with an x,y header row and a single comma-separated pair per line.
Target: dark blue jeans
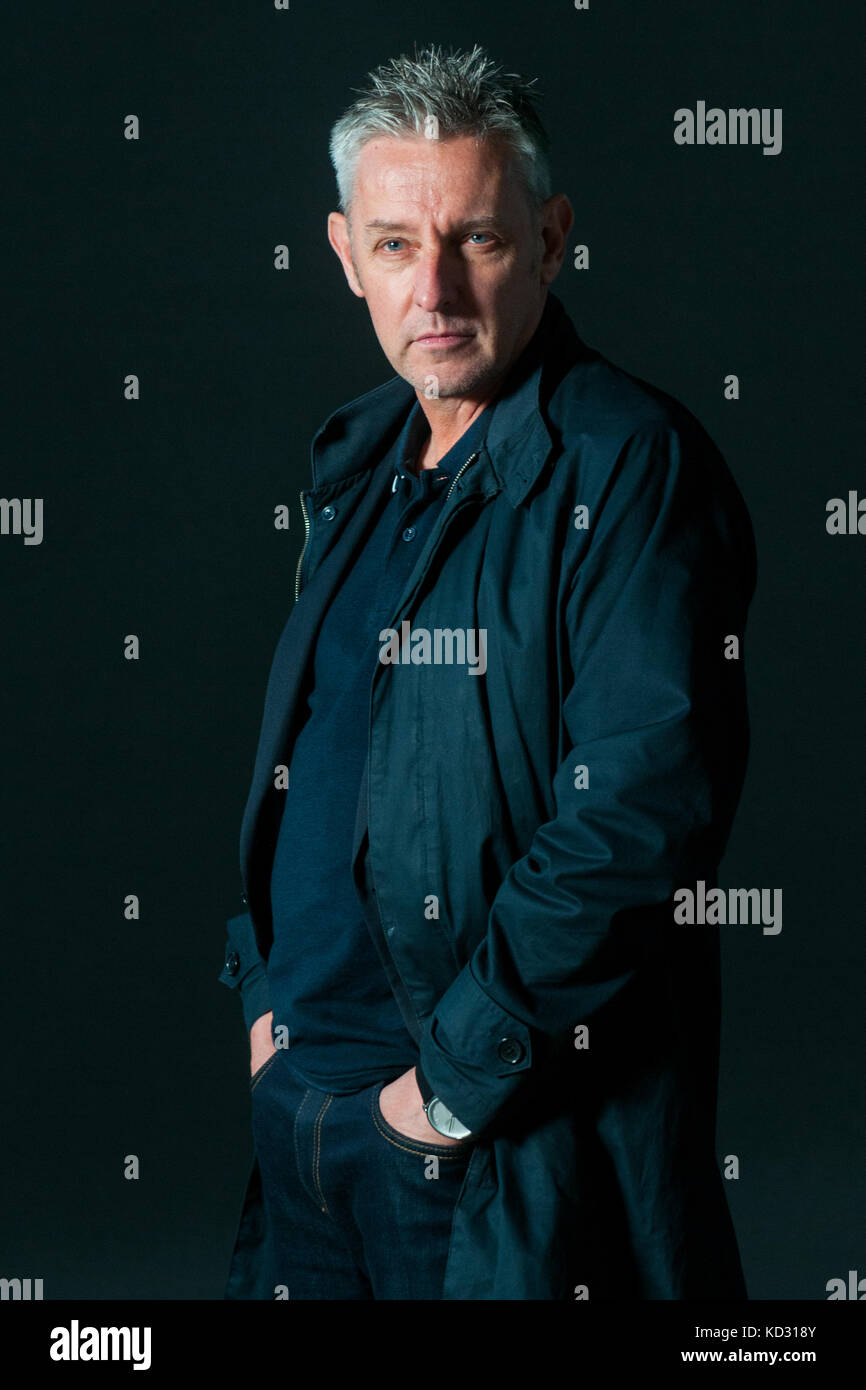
x,y
355,1209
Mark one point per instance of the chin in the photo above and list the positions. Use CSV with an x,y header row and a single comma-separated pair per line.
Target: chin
x,y
469,381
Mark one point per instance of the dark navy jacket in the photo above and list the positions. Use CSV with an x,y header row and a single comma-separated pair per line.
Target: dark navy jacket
x,y
549,809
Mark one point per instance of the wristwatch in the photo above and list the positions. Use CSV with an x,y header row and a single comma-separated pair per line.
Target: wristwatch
x,y
444,1121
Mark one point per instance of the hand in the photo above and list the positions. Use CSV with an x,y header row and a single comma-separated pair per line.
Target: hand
x,y
401,1105
261,1041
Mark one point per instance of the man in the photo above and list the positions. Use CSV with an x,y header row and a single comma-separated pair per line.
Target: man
x,y
511,701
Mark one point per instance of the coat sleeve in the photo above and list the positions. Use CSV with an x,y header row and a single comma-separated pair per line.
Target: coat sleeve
x,y
656,712
244,970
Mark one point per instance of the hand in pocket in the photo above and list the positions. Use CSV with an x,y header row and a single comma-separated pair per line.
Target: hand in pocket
x,y
261,1042
401,1106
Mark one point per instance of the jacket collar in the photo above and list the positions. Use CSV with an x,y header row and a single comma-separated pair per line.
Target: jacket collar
x,y
519,443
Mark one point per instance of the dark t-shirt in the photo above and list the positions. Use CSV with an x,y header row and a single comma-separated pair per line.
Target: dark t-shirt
x,y
326,982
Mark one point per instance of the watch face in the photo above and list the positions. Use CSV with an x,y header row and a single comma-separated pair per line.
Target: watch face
x,y
444,1121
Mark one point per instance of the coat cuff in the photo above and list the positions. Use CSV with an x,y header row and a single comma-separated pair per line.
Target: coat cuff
x,y
244,969
474,1053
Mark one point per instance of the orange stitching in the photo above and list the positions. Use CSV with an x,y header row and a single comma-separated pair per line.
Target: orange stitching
x,y
317,1148
295,1130
266,1066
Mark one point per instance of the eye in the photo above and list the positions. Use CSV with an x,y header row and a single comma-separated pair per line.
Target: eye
x,y
478,234
393,241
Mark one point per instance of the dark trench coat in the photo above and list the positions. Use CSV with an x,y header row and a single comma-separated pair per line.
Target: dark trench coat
x,y
611,646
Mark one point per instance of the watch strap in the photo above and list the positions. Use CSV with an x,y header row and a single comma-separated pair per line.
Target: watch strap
x,y
427,1092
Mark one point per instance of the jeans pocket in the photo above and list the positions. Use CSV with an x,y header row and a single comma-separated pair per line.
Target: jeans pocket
x,y
260,1071
420,1147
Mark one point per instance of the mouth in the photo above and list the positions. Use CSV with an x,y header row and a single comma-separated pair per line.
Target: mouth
x,y
442,340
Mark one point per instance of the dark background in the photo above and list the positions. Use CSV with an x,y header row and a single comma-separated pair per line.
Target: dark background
x,y
156,257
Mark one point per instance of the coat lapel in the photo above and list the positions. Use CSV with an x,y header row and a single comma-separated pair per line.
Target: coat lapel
x,y
285,694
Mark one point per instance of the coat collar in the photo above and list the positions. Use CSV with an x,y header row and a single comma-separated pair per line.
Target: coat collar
x,y
519,443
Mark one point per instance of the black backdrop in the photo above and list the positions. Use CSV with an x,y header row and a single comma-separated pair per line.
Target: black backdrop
x,y
155,257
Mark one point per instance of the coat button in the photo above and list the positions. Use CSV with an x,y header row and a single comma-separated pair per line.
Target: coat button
x,y
233,963
409,533
329,512
511,1050
244,899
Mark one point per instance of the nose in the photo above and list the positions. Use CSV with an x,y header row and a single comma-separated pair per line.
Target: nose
x,y
436,276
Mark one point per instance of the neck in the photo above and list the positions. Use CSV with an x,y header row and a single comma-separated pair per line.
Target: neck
x,y
447,425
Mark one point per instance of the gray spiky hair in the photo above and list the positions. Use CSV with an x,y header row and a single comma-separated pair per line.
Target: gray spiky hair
x,y
440,95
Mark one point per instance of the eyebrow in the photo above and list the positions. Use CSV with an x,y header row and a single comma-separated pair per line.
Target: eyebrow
x,y
380,224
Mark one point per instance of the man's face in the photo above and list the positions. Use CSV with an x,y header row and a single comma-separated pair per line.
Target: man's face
x,y
442,242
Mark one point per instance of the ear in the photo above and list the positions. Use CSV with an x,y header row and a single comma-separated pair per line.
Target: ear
x,y
557,221
338,236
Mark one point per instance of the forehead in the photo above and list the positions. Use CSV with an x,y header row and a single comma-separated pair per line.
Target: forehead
x,y
433,174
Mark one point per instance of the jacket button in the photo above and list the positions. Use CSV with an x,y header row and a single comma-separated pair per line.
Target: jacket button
x,y
409,533
329,512
511,1050
244,899
233,963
